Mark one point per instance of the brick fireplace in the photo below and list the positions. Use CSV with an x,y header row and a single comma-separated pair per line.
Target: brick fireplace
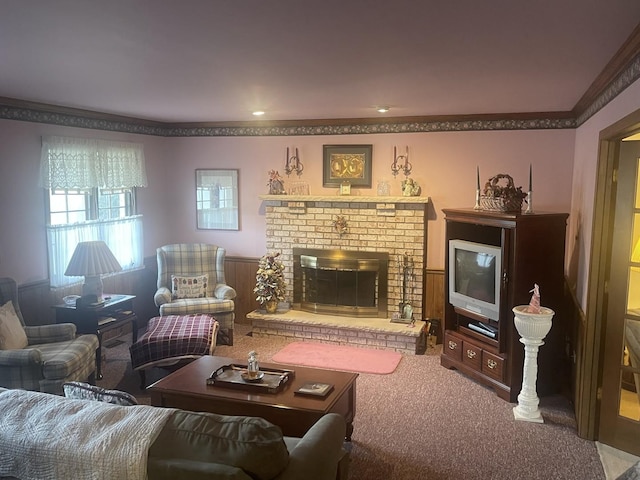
x,y
393,226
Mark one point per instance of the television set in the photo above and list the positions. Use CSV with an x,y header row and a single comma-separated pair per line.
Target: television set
x,y
475,272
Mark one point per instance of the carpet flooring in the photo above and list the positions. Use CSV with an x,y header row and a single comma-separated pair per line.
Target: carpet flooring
x,y
426,422
338,357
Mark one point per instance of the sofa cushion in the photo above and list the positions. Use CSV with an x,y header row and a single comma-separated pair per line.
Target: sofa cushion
x,y
12,334
85,391
189,287
249,443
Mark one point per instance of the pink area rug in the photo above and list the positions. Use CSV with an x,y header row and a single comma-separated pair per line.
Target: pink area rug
x,y
338,357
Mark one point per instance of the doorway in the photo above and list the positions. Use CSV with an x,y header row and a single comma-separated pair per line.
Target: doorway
x,y
614,291
619,424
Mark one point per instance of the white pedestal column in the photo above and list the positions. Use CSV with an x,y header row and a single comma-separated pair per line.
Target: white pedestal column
x,y
532,327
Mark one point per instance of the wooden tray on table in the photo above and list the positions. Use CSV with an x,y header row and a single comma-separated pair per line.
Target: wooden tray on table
x,y
271,380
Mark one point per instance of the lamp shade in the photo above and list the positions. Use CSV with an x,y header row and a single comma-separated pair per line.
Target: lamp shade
x,y
92,259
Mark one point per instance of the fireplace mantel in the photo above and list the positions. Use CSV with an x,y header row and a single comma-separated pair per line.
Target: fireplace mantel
x,y
344,198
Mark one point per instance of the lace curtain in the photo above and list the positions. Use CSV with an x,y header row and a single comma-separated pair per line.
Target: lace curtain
x,y
78,163
84,163
124,237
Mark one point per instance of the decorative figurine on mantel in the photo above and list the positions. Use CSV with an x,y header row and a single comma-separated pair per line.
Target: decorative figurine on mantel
x,y
410,187
276,183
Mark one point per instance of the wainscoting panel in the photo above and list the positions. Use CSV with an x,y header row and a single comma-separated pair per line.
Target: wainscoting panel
x,y
240,273
434,298
35,301
36,298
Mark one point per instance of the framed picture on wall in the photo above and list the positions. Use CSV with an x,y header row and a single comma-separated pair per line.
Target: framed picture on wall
x,y
217,199
347,164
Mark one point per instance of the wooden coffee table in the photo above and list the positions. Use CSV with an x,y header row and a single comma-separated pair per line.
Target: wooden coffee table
x,y
187,389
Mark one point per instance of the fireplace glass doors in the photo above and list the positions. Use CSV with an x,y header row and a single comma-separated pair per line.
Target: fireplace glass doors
x,y
340,282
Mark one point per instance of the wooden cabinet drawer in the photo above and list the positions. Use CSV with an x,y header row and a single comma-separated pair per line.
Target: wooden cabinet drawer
x,y
492,365
472,355
452,346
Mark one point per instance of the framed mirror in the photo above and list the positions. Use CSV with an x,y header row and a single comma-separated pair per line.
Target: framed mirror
x,y
217,199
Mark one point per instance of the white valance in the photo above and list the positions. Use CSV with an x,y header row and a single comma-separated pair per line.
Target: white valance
x,y
78,163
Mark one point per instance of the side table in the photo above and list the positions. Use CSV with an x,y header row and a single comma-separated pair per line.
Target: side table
x,y
115,312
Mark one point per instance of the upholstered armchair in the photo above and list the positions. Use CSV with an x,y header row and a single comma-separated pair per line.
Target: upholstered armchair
x,y
49,356
191,280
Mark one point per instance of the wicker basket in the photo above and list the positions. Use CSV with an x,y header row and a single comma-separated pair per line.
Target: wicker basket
x,y
501,198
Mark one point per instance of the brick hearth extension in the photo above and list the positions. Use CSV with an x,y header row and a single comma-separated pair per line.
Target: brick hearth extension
x,y
358,332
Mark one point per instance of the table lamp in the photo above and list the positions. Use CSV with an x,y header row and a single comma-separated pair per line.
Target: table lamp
x,y
92,260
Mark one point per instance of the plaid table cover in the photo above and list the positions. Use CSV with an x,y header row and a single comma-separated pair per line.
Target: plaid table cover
x,y
174,336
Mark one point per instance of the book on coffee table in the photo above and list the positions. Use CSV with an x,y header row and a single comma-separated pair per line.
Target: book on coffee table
x,y
315,388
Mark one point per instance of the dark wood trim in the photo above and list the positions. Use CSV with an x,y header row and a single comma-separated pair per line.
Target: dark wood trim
x,y
77,112
590,351
620,61
35,302
321,122
240,273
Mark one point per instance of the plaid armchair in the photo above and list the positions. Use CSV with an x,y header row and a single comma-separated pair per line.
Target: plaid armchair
x,y
53,356
193,259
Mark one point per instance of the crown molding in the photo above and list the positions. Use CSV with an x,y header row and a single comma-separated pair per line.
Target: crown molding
x,y
13,109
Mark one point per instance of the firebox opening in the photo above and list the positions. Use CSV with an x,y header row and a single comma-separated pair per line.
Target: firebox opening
x,y
340,282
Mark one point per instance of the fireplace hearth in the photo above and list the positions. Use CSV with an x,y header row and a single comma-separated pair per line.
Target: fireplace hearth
x,y
340,282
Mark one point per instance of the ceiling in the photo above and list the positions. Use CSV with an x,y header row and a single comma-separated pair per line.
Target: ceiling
x,y
218,60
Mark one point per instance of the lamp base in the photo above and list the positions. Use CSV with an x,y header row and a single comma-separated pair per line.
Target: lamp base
x,y
93,286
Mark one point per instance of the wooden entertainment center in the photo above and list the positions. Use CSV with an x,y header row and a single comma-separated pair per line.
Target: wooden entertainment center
x,y
533,251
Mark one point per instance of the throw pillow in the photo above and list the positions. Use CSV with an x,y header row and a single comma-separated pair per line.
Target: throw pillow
x,y
12,334
85,391
189,287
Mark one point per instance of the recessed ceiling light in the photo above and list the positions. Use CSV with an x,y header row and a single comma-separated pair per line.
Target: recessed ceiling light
x,y
382,109
258,113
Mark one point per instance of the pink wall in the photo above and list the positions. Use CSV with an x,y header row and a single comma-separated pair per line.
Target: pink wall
x,y
23,250
583,185
444,164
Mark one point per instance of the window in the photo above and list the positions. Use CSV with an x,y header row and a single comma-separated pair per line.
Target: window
x,y
91,196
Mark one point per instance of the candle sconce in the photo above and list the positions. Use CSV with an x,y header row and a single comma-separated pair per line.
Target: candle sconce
x,y
293,164
401,163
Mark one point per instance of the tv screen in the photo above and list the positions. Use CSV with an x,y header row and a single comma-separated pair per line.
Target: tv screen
x,y
474,277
